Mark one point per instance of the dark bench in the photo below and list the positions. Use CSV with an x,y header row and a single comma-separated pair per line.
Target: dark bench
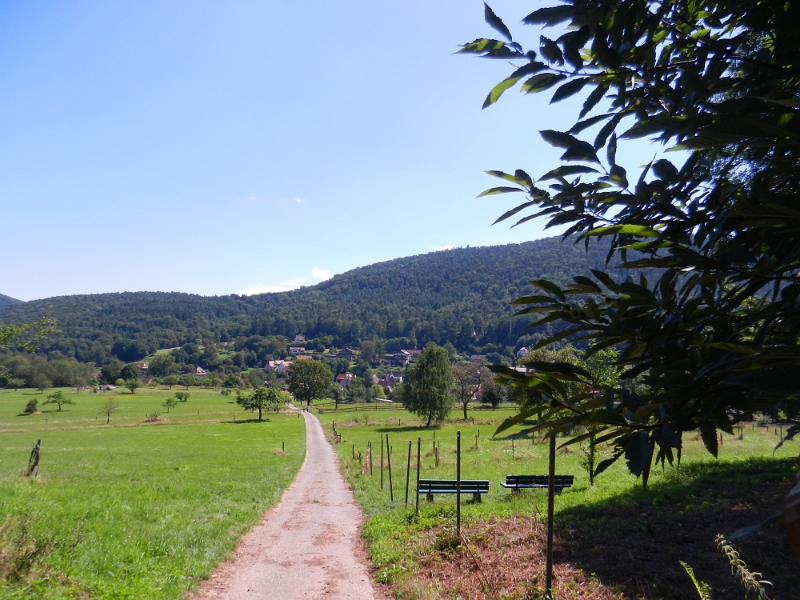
x,y
476,487
520,482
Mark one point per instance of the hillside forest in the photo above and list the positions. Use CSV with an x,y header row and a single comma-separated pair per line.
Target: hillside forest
x,y
460,298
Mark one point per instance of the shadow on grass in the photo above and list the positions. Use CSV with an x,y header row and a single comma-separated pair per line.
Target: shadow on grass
x,y
245,421
635,540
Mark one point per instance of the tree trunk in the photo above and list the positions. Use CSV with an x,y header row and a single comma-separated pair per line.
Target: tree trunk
x,y
259,413
465,410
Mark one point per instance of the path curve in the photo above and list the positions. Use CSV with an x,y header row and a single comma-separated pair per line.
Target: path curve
x,y
307,546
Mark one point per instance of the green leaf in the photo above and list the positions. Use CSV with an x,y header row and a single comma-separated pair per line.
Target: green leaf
x,y
567,170
559,139
637,230
550,50
569,89
499,89
709,434
495,22
592,100
581,151
549,16
550,287
619,176
499,190
541,82
638,453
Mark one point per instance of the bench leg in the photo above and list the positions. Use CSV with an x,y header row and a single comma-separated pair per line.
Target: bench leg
x,y
429,497
476,498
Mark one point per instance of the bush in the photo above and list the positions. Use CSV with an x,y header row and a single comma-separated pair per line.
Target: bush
x,y
31,407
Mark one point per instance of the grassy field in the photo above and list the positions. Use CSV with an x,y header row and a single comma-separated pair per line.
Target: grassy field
x,y
405,548
134,509
203,405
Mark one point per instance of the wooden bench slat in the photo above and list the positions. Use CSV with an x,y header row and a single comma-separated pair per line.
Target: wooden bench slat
x,y
537,481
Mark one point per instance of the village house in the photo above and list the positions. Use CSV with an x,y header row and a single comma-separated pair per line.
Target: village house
x,y
293,350
299,338
199,372
277,366
143,368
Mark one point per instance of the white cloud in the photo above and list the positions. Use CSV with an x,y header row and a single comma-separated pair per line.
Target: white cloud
x,y
299,200
317,275
441,248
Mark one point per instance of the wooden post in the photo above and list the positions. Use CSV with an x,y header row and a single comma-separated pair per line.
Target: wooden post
x,y
33,461
369,444
419,449
283,446
551,494
381,462
389,464
408,470
354,451
476,442
458,483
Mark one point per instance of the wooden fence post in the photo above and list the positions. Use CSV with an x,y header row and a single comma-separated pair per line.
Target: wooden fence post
x,y
408,470
419,449
389,464
458,483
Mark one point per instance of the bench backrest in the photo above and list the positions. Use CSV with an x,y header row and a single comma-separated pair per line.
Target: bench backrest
x,y
560,480
468,486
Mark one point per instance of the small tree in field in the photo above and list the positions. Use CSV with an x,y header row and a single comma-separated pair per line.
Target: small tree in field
x,y
59,398
170,380
428,388
108,408
468,376
181,396
170,403
133,384
263,398
31,407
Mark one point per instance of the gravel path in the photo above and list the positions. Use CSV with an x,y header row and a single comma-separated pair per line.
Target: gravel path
x,y
307,546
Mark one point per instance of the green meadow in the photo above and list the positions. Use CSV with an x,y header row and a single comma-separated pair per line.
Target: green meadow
x,y
699,488
134,509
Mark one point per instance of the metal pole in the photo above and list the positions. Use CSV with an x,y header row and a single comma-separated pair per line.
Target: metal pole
x,y
419,448
389,461
551,494
408,470
458,482
381,462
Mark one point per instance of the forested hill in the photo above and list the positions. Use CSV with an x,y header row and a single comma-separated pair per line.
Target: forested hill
x,y
6,300
461,296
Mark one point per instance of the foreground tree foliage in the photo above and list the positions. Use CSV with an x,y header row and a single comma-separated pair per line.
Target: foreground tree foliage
x,y
714,332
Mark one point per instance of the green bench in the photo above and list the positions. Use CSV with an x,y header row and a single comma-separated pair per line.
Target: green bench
x,y
524,482
476,487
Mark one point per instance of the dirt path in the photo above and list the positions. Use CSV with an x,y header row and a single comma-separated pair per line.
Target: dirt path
x,y
307,546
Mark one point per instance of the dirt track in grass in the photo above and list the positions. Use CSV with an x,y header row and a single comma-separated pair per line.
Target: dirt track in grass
x,y
307,546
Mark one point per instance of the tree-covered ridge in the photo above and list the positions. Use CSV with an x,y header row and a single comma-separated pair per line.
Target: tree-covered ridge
x,y
6,300
460,296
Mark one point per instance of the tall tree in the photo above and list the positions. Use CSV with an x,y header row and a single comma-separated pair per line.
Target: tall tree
x,y
714,329
428,386
309,379
469,376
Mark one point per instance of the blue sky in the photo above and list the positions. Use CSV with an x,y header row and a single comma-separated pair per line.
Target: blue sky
x,y
217,147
